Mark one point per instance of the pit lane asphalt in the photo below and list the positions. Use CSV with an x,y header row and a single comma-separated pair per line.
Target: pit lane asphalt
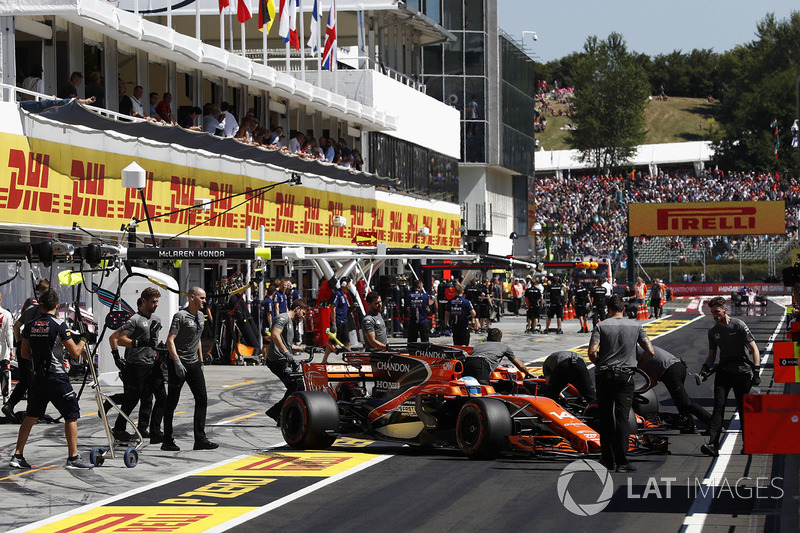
x,y
409,490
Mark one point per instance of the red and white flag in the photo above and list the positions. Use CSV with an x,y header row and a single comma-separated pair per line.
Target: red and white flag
x,y
243,12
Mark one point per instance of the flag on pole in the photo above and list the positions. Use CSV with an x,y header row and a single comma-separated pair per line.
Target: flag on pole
x,y
243,12
266,14
283,28
313,39
294,39
223,4
774,124
362,37
329,50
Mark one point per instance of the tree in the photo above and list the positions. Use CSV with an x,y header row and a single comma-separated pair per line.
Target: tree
x,y
759,83
611,90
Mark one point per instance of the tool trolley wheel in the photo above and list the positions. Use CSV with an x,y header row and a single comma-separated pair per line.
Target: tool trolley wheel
x,y
97,456
131,458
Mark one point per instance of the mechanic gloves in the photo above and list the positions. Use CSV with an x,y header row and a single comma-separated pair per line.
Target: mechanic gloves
x,y
180,370
119,361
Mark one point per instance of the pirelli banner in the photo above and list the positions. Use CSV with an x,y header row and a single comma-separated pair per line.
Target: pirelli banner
x,y
68,175
707,218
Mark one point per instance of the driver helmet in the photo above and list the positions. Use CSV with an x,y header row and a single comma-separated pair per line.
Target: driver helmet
x,y
472,385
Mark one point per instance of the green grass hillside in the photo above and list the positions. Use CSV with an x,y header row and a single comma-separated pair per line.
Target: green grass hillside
x,y
676,120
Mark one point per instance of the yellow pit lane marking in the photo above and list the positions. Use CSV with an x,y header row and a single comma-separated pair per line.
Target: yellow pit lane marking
x,y
288,464
237,384
28,472
239,418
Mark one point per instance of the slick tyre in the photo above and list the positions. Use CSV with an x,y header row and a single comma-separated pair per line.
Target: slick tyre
x,y
645,403
482,428
309,420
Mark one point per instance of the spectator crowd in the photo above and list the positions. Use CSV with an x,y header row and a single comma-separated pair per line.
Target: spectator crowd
x,y
587,215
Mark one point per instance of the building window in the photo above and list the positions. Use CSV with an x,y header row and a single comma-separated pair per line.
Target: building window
x,y
473,15
453,15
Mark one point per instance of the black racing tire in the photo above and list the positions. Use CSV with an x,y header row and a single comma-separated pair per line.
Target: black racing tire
x,y
309,420
645,403
482,428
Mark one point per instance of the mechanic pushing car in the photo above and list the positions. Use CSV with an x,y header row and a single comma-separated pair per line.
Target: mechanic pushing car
x,y
487,355
564,368
671,371
279,357
612,349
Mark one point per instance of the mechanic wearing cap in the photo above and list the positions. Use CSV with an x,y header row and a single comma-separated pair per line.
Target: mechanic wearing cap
x,y
459,313
44,342
373,326
185,365
342,306
735,371
567,368
30,311
671,371
612,349
279,356
141,371
418,309
487,355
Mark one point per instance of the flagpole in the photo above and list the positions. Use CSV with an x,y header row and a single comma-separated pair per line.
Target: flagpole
x,y
264,42
221,30
197,20
242,36
302,43
288,65
319,44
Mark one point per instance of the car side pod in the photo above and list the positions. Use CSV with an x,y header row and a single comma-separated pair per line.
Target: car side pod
x,y
310,420
482,428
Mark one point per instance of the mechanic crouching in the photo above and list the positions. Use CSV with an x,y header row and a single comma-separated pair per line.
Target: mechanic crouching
x,y
279,356
671,371
567,368
486,356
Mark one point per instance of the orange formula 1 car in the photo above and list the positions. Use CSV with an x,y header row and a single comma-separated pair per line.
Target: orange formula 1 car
x,y
419,397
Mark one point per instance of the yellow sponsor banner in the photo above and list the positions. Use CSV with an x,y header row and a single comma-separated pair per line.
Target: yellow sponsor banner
x,y
293,464
707,218
162,519
52,184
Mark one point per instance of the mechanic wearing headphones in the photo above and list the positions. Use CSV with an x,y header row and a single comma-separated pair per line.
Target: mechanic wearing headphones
x,y
567,368
279,356
671,371
44,343
373,326
487,355
612,349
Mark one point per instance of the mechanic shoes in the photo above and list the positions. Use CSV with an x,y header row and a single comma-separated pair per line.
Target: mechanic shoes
x,y
625,469
710,450
205,445
18,461
76,463
168,445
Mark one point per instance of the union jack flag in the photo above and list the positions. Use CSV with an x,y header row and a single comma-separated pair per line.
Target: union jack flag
x,y
329,51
